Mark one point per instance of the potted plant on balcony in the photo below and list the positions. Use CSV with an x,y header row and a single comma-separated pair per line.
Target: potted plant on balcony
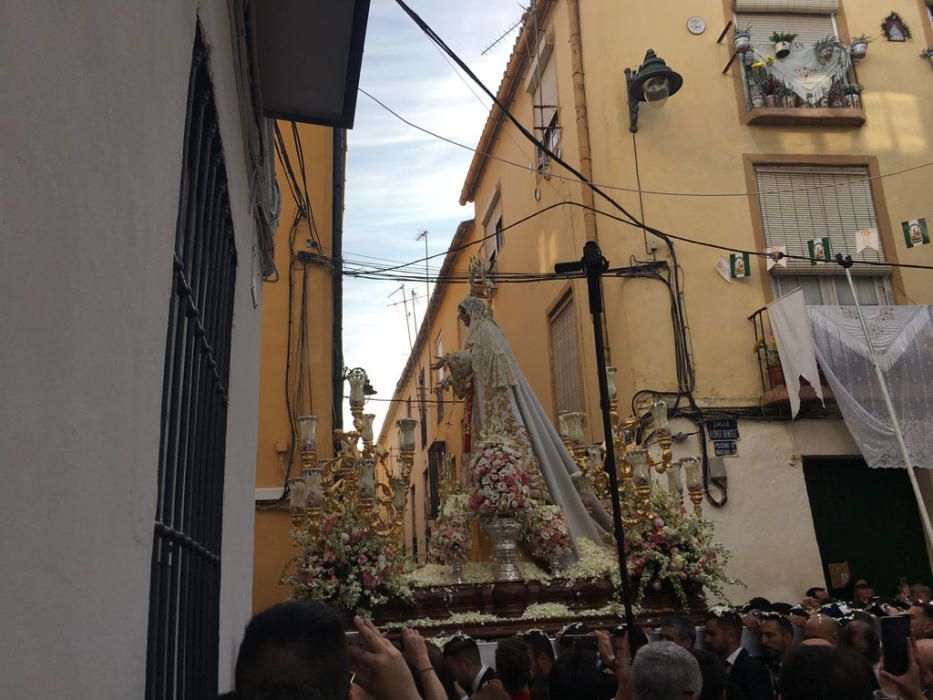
x,y
836,96
743,39
853,92
927,54
859,47
788,97
772,361
826,48
782,42
773,90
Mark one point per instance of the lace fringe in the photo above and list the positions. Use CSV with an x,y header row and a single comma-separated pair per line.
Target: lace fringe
x,y
855,341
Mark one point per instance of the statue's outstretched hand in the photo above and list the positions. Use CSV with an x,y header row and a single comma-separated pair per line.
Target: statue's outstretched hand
x,y
439,362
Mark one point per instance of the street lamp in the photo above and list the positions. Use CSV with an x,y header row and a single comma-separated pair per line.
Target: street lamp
x,y
652,83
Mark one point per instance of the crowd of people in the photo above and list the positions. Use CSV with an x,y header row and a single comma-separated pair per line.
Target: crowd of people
x,y
819,649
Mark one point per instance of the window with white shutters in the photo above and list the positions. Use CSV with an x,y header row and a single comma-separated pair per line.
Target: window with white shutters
x,y
565,362
804,203
542,84
824,7
809,28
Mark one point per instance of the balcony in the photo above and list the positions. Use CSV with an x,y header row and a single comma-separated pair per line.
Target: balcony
x,y
814,91
774,394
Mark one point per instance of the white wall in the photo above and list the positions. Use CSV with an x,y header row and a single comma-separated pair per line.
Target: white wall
x,y
91,138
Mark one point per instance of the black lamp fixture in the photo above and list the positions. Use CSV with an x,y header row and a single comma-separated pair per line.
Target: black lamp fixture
x,y
652,83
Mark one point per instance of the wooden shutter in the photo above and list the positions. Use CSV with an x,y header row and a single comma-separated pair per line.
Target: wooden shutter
x,y
808,28
801,203
802,6
565,363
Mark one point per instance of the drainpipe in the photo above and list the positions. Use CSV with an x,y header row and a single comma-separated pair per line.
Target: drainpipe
x,y
583,139
339,179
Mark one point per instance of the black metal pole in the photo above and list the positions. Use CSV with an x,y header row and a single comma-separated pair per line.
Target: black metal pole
x,y
593,264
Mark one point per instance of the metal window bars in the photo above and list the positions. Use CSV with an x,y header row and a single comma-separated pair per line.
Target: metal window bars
x,y
185,575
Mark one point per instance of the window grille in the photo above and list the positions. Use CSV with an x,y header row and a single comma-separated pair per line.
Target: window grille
x,y
543,85
565,364
801,203
184,604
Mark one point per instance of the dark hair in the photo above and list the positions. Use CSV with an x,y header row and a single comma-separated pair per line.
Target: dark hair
x,y
762,604
825,673
461,645
728,619
299,645
783,623
685,628
852,631
811,592
512,664
575,629
539,643
714,675
576,676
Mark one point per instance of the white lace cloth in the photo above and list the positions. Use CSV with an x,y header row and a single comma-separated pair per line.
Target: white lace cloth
x,y
903,340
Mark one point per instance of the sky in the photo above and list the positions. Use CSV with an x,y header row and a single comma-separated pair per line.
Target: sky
x,y
400,181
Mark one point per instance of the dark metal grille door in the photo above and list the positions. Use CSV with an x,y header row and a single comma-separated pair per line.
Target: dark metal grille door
x,y
185,580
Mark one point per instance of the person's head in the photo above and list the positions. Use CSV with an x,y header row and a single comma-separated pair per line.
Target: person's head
x,y
758,603
297,644
921,621
822,627
714,675
540,653
819,593
860,636
777,635
863,593
472,309
665,671
512,664
920,592
462,656
723,632
575,675
825,673
679,630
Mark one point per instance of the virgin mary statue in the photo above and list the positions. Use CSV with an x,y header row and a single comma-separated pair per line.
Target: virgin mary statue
x,y
487,376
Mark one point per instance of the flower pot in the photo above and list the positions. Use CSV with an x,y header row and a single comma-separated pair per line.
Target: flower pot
x,y
837,102
758,101
930,58
824,102
504,534
775,375
742,42
782,49
790,101
858,49
770,101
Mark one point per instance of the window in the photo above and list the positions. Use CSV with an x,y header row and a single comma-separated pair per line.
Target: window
x,y
542,84
565,364
439,388
422,409
437,454
492,227
184,601
803,203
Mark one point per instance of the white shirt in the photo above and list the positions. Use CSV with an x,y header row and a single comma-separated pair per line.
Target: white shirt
x,y
479,676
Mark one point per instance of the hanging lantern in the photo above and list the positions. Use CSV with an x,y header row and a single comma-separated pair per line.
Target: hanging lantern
x,y
307,433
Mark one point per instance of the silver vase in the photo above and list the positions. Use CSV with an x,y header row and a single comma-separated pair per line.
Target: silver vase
x,y
456,568
504,534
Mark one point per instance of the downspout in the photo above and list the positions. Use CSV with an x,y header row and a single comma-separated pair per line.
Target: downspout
x,y
337,204
583,139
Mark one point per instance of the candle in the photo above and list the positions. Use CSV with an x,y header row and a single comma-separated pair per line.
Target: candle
x,y
314,483
296,495
368,426
571,423
611,381
367,478
357,379
638,460
692,473
307,433
659,415
675,485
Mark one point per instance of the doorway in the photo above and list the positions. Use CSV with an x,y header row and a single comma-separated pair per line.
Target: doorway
x,y
868,518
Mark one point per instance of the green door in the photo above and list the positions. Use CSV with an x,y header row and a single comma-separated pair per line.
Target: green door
x,y
869,518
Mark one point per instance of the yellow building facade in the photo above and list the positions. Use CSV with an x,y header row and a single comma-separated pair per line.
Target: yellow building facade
x,y
301,356
687,331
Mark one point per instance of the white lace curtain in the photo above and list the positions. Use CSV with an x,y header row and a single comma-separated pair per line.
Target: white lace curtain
x,y
903,341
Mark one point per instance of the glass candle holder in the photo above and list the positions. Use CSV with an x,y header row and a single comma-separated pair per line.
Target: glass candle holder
x,y
314,483
296,495
406,434
611,381
307,433
638,460
368,426
691,467
675,484
571,423
367,478
659,415
357,379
